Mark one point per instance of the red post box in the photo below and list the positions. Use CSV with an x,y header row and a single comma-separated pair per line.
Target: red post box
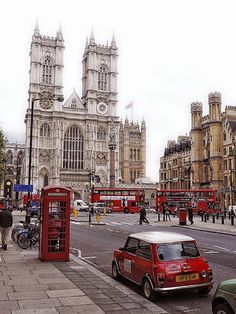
x,y
55,224
182,216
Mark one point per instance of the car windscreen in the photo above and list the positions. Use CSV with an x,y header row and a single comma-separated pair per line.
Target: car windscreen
x,y
177,251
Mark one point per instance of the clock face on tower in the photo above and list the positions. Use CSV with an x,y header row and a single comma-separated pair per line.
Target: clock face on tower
x,y
46,103
102,108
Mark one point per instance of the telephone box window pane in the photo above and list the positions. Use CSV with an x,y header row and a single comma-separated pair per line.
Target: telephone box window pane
x,y
56,226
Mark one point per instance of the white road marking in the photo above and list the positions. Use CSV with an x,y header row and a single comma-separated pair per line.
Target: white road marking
x,y
219,247
211,252
79,253
75,222
110,229
89,257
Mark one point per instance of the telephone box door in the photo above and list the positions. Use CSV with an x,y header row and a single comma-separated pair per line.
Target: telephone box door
x,y
55,224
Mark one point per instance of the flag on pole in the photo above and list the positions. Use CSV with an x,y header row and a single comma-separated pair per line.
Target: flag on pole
x,y
130,105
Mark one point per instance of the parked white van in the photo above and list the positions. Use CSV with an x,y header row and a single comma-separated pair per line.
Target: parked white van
x,y
81,206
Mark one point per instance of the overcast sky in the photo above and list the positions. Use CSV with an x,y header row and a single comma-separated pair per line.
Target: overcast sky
x,y
171,53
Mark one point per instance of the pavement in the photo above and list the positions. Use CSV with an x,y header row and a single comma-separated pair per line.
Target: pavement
x,y
28,285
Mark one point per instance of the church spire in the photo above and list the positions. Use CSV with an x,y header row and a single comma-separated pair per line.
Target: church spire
x,y
36,29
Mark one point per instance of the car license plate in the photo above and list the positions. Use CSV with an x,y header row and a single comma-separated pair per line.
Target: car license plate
x,y
187,277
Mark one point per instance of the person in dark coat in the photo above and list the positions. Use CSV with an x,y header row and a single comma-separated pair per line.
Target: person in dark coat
x,y
190,214
142,216
6,221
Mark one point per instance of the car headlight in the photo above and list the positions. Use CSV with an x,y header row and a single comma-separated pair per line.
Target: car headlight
x,y
204,274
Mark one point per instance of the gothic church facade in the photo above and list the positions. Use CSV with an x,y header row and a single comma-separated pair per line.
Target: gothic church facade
x,y
70,139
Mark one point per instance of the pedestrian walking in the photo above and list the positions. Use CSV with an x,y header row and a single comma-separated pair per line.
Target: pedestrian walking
x,y
167,212
190,214
142,216
6,221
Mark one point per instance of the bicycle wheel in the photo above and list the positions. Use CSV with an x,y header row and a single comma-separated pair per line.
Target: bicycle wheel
x,y
24,240
14,231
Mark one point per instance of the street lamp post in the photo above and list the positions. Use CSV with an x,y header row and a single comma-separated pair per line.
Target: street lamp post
x,y
46,97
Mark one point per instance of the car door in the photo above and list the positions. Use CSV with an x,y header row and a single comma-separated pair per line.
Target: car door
x,y
128,258
144,262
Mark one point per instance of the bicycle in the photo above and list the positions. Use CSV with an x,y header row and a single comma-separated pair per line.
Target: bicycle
x,y
26,239
23,227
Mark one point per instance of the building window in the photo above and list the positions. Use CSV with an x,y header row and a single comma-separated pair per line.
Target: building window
x,y
101,135
225,164
102,78
131,153
224,136
73,149
138,151
47,71
74,103
45,130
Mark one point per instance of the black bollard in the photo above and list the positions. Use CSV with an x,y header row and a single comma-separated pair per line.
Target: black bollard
x,y
205,217
202,216
222,220
159,216
217,216
213,218
89,218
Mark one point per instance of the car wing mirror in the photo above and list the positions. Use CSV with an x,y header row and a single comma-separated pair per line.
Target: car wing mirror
x,y
121,249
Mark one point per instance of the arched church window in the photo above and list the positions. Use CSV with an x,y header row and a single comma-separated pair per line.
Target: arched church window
x,y
138,152
131,153
73,149
102,78
45,180
101,135
224,136
47,71
45,130
9,157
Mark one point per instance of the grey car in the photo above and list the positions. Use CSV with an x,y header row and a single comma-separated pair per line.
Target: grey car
x,y
99,208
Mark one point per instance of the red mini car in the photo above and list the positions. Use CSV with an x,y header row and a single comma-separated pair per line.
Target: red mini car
x,y
162,262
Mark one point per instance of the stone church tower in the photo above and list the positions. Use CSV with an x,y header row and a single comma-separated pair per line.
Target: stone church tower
x,y
132,151
70,140
207,144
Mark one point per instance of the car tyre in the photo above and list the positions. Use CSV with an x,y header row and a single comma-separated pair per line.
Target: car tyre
x,y
205,290
222,308
126,210
115,272
147,289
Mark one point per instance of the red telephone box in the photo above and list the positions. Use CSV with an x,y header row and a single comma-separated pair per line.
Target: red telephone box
x,y
55,224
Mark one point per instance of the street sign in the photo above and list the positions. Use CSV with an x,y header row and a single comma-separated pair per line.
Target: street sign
x,y
23,188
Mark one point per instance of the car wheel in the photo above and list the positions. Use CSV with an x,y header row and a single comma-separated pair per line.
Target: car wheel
x,y
126,210
147,290
222,309
115,272
205,290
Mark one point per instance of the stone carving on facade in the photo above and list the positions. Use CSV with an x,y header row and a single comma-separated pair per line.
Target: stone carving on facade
x,y
101,159
44,156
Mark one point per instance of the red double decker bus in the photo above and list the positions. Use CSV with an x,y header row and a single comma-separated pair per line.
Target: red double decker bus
x,y
127,200
201,201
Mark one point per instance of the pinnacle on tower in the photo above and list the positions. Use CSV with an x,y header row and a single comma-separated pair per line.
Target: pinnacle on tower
x,y
113,42
92,40
36,29
59,33
86,44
